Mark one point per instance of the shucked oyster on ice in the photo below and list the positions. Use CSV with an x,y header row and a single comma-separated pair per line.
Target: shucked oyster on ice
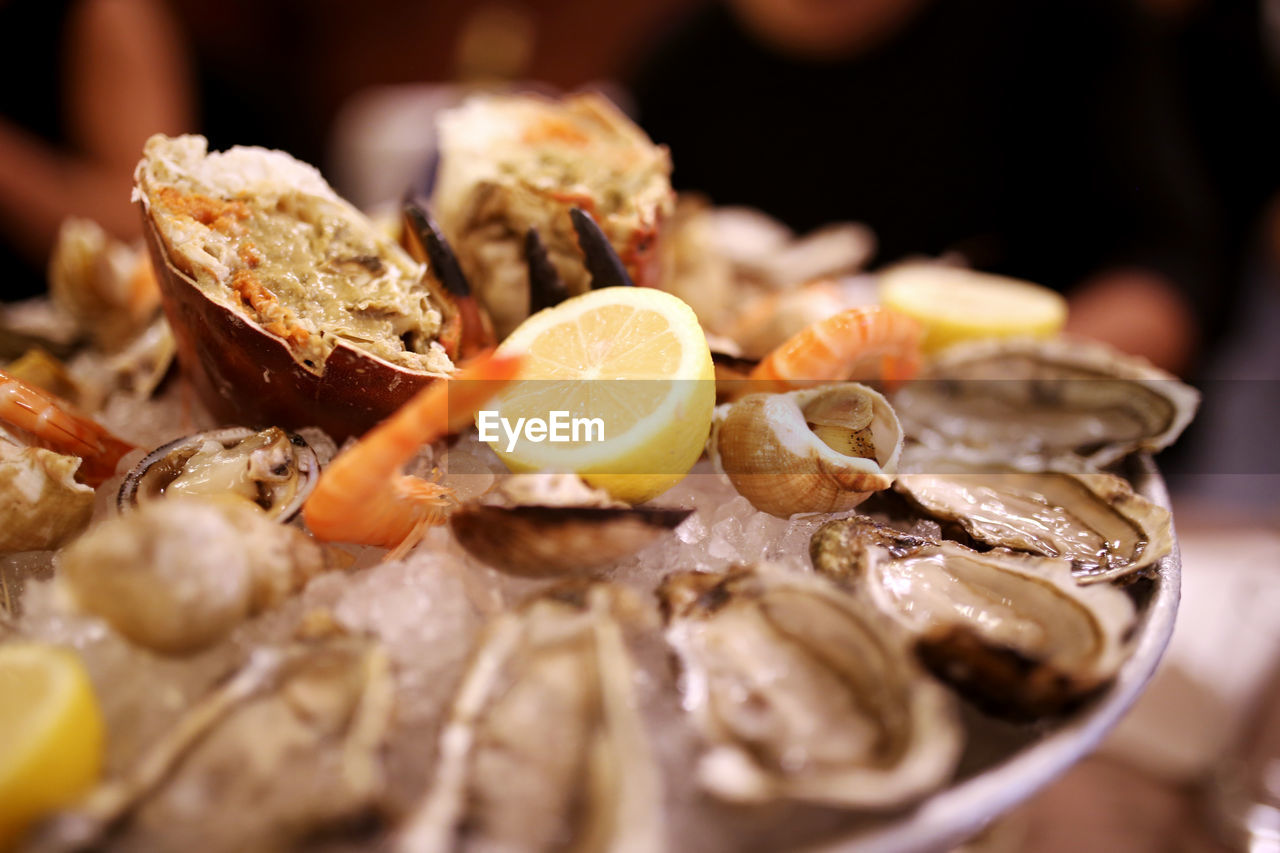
x,y
545,748
804,692
286,749
41,503
1013,631
1095,520
555,524
1031,403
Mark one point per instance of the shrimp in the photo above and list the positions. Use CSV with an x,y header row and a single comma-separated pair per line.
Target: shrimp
x,y
56,425
363,498
866,342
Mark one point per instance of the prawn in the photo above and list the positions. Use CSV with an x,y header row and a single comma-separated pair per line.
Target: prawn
x,y
57,426
363,497
866,342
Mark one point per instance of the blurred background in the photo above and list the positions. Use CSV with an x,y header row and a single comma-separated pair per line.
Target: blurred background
x,y
1125,153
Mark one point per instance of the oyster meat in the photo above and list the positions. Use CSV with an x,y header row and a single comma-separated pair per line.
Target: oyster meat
x,y
1014,632
286,749
822,449
545,748
1094,520
1032,403
804,692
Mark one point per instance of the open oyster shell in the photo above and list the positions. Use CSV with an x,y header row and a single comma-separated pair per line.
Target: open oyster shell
x,y
804,692
545,748
286,749
1014,632
822,449
1095,520
41,503
549,525
1032,403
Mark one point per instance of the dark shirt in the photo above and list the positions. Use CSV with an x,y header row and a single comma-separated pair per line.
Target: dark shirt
x,y
1038,138
31,64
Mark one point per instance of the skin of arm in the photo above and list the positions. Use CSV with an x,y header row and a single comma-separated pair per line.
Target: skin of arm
x,y
127,78
1136,311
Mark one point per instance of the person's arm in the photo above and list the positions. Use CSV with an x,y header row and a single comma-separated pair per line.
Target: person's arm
x,y
127,78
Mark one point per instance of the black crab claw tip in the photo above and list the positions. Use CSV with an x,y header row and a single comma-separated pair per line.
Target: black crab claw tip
x,y
546,288
602,262
444,263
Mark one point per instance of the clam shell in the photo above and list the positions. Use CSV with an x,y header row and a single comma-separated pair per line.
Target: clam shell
x,y
764,445
158,468
551,541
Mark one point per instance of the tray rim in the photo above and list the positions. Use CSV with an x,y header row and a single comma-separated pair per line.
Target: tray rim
x,y
956,814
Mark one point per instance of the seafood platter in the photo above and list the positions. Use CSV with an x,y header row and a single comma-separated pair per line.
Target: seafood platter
x,y
853,561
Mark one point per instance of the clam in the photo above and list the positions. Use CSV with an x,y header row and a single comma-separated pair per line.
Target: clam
x,y
270,469
288,306
511,163
804,692
178,575
1012,631
1095,520
544,748
283,751
549,525
821,449
41,503
1032,403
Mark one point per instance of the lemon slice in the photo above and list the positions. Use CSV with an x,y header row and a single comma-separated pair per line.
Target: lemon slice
x,y
51,734
956,305
629,371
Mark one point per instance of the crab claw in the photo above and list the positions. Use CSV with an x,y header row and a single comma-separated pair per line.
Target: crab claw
x,y
465,327
599,257
546,287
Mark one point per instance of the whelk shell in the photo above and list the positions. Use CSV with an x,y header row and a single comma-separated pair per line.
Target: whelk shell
x,y
821,449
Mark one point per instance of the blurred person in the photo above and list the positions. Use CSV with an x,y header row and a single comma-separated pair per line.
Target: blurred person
x,y
1039,140
86,82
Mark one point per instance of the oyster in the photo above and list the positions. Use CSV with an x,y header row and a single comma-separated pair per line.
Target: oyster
x,y
41,504
820,449
287,748
512,163
1014,632
805,692
1094,520
554,524
1032,403
177,575
545,748
270,469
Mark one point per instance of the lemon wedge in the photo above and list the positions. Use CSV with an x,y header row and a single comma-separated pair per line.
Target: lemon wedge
x,y
51,734
955,305
617,386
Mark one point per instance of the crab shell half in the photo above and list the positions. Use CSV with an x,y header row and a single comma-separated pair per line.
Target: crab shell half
x,y
765,446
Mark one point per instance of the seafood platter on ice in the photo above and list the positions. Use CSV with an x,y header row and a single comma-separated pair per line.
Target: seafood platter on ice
x,y
552,513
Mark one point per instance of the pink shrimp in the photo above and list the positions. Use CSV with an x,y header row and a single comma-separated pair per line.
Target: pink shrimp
x,y
362,497
55,424
868,342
